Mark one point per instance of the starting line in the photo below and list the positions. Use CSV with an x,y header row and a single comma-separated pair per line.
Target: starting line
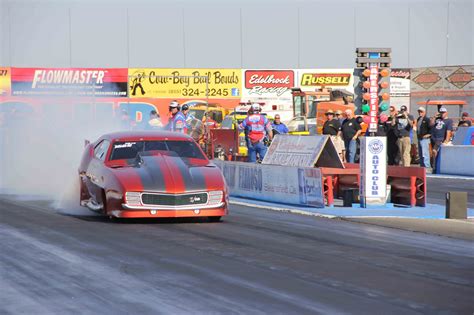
x,y
431,211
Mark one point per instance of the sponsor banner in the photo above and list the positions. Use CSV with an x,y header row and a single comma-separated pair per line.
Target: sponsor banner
x,y
373,170
275,183
295,150
400,83
310,79
185,83
4,81
400,87
92,82
270,85
443,81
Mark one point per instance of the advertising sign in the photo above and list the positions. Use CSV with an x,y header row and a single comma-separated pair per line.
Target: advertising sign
x,y
342,79
93,82
373,170
185,83
275,183
268,84
442,81
295,150
400,87
4,81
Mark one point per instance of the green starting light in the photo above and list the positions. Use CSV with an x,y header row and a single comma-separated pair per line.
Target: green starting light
x,y
383,106
365,108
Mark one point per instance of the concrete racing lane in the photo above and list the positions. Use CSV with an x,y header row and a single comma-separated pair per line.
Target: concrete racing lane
x,y
256,261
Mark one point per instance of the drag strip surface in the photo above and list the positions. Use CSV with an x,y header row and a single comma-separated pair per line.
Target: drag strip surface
x,y
256,262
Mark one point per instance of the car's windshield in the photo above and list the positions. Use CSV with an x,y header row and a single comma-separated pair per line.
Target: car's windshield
x,y
124,150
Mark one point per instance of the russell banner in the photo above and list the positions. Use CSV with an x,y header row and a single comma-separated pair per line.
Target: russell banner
x,y
99,82
185,83
274,183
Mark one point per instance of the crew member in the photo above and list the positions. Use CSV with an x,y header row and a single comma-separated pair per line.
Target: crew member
x,y
350,132
280,127
257,126
441,132
177,120
423,132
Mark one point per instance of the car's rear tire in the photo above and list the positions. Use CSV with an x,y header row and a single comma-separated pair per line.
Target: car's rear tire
x,y
215,219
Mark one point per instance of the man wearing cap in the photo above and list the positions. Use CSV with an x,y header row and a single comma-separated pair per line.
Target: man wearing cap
x,y
393,153
332,127
465,120
350,132
403,129
256,126
441,132
177,120
423,132
338,114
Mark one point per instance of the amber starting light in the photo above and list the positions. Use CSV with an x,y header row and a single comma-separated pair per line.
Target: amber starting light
x,y
366,96
366,85
385,96
384,85
384,72
366,73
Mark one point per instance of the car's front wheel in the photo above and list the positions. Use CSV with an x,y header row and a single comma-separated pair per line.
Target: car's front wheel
x,y
215,219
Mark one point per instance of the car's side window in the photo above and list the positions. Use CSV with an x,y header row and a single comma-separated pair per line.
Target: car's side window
x,y
101,150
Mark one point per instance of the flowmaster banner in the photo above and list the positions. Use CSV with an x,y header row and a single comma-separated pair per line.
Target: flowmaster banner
x,y
92,82
275,183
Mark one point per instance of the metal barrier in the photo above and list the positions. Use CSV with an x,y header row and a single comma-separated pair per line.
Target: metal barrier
x,y
408,184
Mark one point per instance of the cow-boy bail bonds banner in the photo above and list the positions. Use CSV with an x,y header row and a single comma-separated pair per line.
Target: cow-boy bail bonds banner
x,y
185,83
93,82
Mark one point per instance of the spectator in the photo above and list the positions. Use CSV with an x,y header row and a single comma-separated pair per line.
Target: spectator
x,y
350,132
280,127
441,132
332,127
381,127
423,131
177,120
154,123
403,129
392,147
257,126
465,120
339,116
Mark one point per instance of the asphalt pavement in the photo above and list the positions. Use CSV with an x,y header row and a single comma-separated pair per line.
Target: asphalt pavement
x,y
255,262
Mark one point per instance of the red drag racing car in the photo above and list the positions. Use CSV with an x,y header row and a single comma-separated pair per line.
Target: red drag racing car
x,y
139,174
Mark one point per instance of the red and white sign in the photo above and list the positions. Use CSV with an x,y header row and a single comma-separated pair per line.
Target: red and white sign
x,y
69,82
269,82
374,97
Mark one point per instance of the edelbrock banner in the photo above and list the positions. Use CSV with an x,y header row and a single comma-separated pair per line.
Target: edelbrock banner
x,y
274,183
